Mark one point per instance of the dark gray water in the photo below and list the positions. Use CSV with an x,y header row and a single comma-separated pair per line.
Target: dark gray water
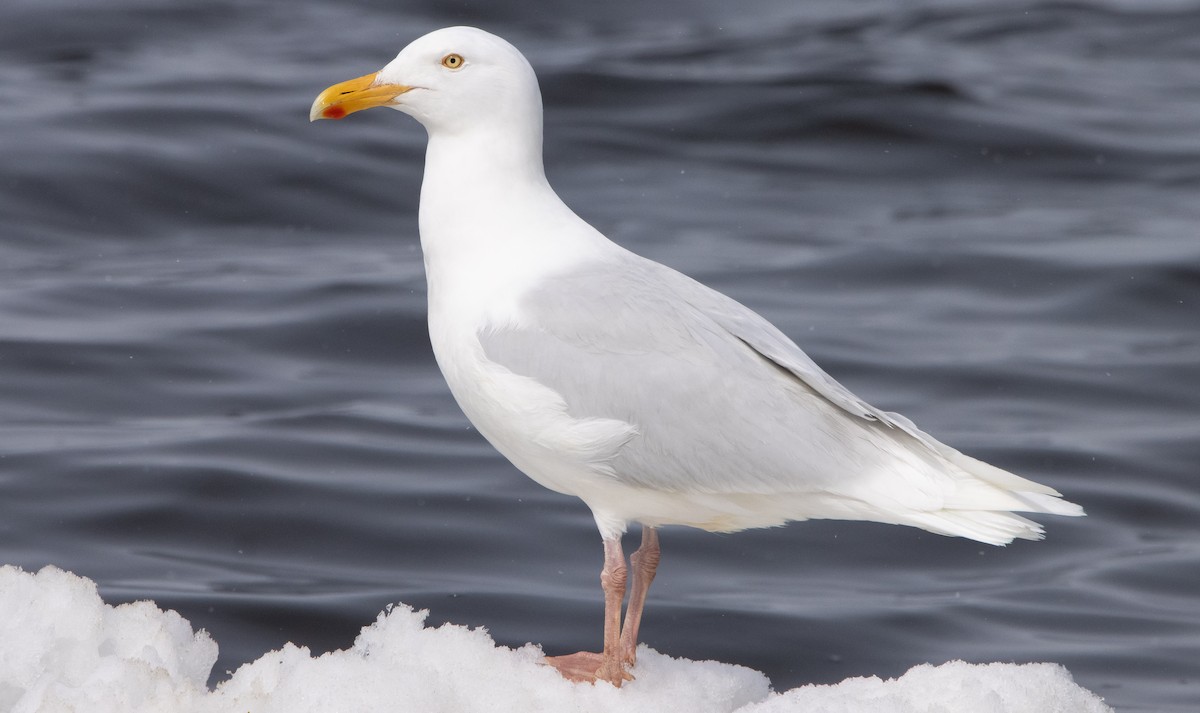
x,y
216,387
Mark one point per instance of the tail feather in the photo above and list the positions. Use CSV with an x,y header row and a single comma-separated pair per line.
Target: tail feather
x,y
979,500
993,528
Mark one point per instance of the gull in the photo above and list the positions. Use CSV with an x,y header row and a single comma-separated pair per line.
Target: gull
x,y
615,379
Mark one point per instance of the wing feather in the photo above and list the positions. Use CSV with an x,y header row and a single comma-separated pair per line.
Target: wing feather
x,y
724,403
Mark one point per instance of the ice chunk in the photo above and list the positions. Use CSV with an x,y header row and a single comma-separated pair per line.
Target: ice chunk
x,y
950,688
63,649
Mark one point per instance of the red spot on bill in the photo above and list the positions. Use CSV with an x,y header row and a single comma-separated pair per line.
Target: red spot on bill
x,y
333,112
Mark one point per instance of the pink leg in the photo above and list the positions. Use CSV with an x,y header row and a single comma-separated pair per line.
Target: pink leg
x,y
644,563
607,666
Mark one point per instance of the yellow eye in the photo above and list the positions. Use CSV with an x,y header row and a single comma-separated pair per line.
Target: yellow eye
x,y
452,61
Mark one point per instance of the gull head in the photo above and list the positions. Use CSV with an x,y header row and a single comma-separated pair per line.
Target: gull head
x,y
451,80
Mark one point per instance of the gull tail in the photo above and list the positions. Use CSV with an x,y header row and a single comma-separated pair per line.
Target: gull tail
x,y
984,503
979,500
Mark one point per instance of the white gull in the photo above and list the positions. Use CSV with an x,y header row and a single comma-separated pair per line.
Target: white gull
x,y
607,376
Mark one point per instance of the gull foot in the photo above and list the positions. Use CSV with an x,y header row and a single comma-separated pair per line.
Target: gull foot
x,y
589,667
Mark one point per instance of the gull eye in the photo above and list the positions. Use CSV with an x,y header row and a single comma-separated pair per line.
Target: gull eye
x,y
452,61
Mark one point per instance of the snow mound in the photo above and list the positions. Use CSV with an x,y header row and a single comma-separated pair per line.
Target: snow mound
x,y
63,650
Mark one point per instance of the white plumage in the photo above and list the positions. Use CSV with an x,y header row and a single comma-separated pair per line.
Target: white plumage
x,y
615,379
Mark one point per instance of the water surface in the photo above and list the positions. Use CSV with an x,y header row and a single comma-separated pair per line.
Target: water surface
x,y
216,388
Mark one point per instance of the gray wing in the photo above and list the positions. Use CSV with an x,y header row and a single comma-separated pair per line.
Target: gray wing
x,y
722,400
766,339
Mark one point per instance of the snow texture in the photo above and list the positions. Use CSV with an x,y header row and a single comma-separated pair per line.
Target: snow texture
x,y
63,650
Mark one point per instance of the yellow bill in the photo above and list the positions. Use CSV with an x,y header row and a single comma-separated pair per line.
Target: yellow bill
x,y
354,95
